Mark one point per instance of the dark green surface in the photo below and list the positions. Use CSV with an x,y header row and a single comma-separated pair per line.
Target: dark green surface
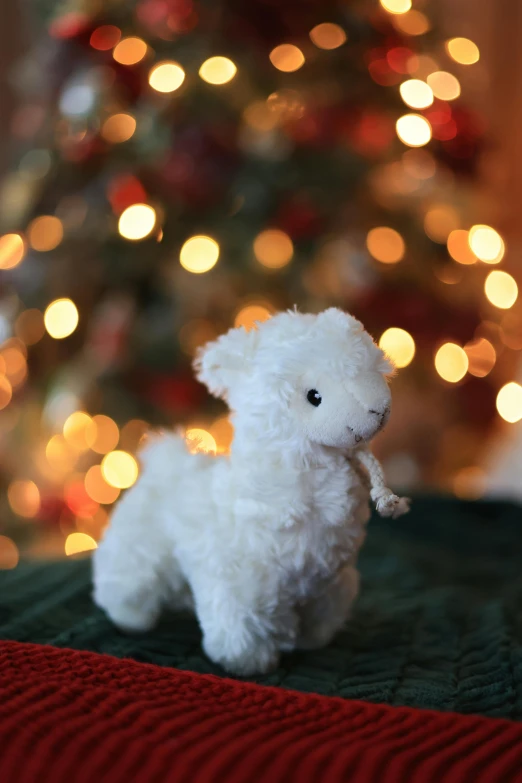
x,y
438,623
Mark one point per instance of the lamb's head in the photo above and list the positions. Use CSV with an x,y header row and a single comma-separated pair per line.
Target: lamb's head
x,y
316,379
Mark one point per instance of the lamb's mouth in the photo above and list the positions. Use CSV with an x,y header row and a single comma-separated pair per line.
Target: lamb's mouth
x,y
358,438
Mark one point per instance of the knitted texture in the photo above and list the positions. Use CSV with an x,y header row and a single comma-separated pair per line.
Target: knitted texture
x,y
438,624
73,717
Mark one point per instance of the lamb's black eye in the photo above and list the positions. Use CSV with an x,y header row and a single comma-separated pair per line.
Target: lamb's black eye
x,y
314,398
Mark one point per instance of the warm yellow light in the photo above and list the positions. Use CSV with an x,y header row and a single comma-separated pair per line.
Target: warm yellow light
x,y
119,469
137,222
79,430
223,433
251,315
130,51
45,233
107,434
486,243
273,248
509,402
501,289
440,221
451,362
463,51
468,483
217,70
12,250
416,94
60,456
76,543
385,245
199,254
399,345
6,392
421,65
259,116
327,36
118,128
61,318
9,555
396,6
445,86
15,364
413,130
24,498
412,23
97,488
481,356
30,327
200,440
166,77
287,58
459,249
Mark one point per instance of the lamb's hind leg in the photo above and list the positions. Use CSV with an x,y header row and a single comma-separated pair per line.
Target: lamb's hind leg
x,y
322,617
127,567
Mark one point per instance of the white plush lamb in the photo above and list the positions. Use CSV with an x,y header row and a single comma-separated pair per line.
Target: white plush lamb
x,y
262,545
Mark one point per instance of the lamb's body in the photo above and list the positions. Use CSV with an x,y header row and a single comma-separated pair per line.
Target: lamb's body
x,y
267,553
262,545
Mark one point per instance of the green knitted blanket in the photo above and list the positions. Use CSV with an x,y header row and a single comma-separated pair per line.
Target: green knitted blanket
x,y
438,623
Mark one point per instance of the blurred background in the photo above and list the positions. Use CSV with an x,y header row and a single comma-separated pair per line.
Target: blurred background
x,y
170,168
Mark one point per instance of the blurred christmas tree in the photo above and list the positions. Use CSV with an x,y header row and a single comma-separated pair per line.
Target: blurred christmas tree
x,y
184,165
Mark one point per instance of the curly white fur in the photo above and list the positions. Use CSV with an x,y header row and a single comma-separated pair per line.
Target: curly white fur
x,y
263,544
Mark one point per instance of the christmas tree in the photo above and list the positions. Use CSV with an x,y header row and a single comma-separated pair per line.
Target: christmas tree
x,y
185,165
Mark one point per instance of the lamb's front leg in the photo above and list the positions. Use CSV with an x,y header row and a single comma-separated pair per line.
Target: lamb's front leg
x,y
237,634
322,617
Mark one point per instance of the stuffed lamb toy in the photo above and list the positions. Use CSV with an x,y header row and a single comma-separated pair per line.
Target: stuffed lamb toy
x,y
262,545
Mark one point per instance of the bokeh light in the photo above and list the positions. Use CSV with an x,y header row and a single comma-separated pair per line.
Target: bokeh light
x,y
445,86
416,94
451,362
419,163
45,233
98,489
396,6
12,250
222,431
77,499
412,23
137,222
469,483
501,289
509,402
413,130
459,249
107,434
200,440
217,70
273,248
199,254
118,128
287,58
130,51
60,455
399,345
132,434
119,469
6,392
14,364
79,430
105,37
481,357
61,318
24,498
30,327
248,316
463,51
440,220
166,77
9,555
385,245
486,243
327,36
76,543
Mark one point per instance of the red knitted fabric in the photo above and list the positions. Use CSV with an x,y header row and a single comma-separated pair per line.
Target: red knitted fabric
x,y
75,717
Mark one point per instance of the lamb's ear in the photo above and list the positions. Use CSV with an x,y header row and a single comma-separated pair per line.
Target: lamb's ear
x,y
220,363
